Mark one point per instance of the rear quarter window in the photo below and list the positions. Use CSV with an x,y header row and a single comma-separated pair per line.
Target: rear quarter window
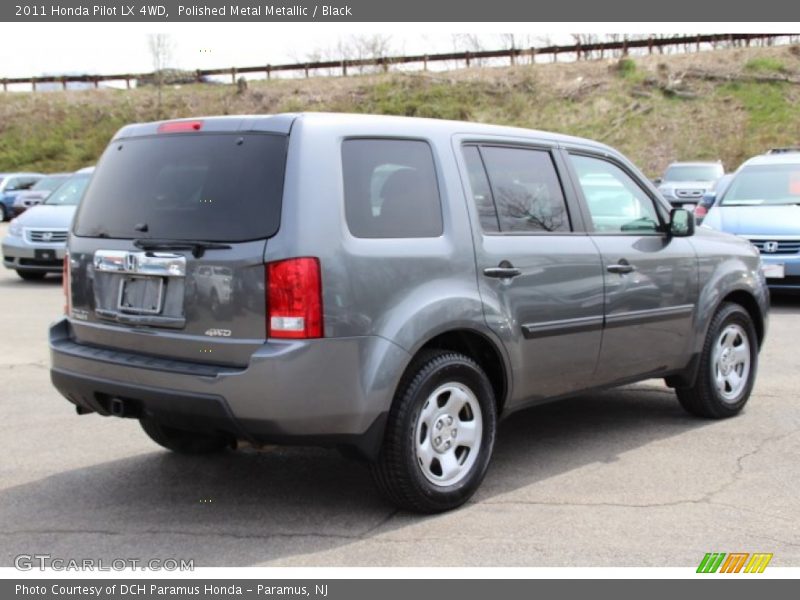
x,y
390,189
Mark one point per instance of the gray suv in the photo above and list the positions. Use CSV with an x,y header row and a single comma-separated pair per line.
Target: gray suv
x,y
388,285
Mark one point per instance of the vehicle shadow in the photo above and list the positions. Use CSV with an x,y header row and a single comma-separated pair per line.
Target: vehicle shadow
x,y
249,507
51,280
785,302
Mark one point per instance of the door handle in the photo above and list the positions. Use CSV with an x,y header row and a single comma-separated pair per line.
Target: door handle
x,y
505,270
622,267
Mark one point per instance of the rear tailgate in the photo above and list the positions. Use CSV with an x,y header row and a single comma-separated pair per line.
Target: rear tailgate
x,y
166,253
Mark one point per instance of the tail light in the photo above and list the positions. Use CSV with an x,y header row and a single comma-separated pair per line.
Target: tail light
x,y
65,283
700,211
294,299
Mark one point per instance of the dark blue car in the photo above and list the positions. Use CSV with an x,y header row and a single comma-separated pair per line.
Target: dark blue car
x,y
12,184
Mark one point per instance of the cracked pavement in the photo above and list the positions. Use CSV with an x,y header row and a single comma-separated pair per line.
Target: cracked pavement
x,y
618,478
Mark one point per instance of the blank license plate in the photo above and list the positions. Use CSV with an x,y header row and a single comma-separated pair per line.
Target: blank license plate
x,y
44,254
141,295
773,271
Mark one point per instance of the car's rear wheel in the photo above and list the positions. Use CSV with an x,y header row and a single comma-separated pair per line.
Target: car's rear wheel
x,y
184,442
439,436
727,367
31,275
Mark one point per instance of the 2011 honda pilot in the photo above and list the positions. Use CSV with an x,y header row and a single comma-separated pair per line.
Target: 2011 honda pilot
x,y
388,285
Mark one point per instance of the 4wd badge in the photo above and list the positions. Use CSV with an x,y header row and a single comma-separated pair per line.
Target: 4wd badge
x,y
218,332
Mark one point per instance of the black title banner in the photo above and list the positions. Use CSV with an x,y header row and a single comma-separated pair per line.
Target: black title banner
x,y
405,11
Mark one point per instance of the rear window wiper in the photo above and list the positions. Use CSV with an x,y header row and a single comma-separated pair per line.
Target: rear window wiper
x,y
198,247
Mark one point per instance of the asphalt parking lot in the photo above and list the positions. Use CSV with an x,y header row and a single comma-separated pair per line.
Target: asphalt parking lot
x,y
621,478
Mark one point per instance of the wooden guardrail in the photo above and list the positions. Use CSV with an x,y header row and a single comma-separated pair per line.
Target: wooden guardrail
x,y
585,51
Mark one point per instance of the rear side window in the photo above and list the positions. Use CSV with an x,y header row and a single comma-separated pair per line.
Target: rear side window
x,y
390,189
481,192
526,190
213,187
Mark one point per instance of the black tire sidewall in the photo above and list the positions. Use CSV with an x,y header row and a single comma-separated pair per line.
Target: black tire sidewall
x,y
730,314
460,370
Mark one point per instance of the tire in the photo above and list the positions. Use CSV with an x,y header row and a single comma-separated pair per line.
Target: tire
x,y
31,275
420,471
728,366
184,442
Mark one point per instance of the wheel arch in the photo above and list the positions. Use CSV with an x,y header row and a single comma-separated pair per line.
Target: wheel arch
x,y
478,345
744,298
747,300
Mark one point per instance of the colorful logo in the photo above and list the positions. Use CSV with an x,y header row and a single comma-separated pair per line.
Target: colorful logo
x,y
734,562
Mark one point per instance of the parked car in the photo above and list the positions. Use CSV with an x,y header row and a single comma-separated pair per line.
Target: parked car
x,y
399,285
12,184
35,241
762,204
710,197
684,183
38,192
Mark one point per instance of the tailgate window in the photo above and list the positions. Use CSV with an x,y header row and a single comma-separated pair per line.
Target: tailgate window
x,y
214,187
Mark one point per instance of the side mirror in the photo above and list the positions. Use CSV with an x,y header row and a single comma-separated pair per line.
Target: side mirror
x,y
681,223
658,181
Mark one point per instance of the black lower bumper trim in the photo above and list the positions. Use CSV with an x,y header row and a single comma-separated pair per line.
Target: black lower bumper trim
x,y
191,411
196,412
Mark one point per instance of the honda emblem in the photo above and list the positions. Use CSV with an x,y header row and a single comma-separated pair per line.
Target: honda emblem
x,y
131,262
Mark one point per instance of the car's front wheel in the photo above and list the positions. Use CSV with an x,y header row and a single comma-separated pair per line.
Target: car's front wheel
x,y
439,436
727,367
183,442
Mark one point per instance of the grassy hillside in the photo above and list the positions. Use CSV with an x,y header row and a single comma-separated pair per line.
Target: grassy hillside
x,y
728,104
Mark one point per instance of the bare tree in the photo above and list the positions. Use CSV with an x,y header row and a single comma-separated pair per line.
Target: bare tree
x,y
525,209
372,47
468,42
161,52
515,41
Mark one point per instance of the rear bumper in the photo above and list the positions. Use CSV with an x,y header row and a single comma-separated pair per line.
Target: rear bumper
x,y
317,392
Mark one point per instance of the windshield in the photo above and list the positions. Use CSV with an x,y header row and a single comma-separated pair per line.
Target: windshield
x,y
693,173
212,187
70,192
48,184
764,184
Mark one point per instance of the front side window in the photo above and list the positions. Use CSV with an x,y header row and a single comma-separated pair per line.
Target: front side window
x,y
390,189
615,201
526,190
